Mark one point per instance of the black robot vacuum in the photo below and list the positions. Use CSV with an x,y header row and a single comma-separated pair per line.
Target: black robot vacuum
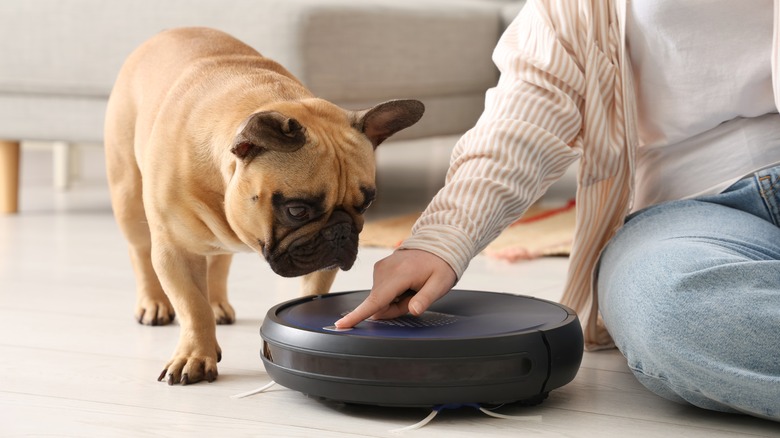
x,y
470,347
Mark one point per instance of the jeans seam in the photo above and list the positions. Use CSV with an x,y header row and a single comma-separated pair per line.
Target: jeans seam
x,y
768,195
665,380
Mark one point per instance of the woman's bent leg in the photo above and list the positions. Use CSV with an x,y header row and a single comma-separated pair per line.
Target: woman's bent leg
x,y
690,292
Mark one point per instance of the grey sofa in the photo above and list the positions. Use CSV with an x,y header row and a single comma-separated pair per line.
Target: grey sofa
x,y
60,57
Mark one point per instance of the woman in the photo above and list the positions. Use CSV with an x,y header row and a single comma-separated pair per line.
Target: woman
x,y
671,108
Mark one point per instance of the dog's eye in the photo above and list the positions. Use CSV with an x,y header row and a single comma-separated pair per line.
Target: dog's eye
x,y
298,212
362,209
368,198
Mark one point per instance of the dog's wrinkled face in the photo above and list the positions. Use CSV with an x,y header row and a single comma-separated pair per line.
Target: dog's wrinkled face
x,y
304,177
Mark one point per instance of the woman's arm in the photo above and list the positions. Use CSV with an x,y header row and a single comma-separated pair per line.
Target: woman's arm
x,y
526,138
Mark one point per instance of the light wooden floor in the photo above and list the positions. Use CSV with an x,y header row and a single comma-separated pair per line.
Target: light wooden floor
x,y
73,362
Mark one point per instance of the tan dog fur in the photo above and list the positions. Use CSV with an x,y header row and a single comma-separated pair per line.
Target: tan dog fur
x,y
212,149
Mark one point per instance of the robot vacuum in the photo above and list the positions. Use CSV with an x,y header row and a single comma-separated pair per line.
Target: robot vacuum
x,y
470,347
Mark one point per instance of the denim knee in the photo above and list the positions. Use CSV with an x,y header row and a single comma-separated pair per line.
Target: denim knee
x,y
684,310
655,333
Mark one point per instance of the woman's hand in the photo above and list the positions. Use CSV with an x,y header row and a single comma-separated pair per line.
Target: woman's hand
x,y
404,270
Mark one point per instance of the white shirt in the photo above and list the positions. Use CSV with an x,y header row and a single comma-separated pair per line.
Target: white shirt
x,y
705,102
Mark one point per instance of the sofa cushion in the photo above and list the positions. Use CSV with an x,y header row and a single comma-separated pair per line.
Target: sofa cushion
x,y
342,49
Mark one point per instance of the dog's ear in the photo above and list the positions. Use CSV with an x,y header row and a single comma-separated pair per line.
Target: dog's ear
x,y
268,131
382,121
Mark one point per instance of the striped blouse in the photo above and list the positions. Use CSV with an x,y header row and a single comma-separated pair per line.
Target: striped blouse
x,y
565,92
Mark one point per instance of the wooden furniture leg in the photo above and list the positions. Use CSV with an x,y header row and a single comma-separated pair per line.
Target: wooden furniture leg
x,y
9,176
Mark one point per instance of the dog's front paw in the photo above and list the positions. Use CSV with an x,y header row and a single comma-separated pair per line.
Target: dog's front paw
x,y
191,365
223,312
154,311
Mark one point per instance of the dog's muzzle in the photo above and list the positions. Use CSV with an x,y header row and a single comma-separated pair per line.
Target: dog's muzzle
x,y
334,246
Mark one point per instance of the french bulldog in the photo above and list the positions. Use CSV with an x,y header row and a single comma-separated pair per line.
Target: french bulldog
x,y
213,149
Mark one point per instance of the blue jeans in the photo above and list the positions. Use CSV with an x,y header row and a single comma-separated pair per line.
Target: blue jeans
x,y
690,292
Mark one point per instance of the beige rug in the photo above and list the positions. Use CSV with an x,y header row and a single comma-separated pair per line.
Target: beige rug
x,y
540,232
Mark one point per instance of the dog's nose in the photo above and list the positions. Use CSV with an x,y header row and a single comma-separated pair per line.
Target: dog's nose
x,y
337,234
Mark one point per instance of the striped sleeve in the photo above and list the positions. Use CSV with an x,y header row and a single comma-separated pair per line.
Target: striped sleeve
x,y
564,93
526,138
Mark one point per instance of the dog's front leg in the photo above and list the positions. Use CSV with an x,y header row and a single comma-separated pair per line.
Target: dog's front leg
x,y
184,279
318,282
218,267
